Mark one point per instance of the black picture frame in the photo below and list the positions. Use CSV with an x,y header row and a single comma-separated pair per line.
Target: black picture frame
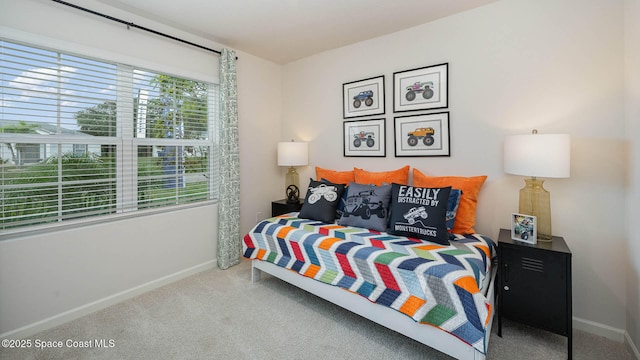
x,y
425,88
422,135
363,97
365,138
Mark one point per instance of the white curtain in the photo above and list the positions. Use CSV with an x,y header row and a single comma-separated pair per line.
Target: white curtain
x,y
229,245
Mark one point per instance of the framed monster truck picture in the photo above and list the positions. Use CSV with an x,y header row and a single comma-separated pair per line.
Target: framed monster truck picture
x,y
421,89
365,138
524,228
363,97
422,135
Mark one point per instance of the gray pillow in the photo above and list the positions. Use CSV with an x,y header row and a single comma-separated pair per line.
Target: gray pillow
x,y
367,206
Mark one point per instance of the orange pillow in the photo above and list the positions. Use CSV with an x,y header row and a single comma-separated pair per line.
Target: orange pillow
x,y
336,177
470,186
400,176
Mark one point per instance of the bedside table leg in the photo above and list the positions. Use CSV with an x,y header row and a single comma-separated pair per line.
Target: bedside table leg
x,y
570,344
569,311
499,323
499,305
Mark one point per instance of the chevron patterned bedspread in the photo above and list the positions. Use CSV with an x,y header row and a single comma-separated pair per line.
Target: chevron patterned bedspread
x,y
433,284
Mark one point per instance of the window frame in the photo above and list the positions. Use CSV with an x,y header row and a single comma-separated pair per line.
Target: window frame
x,y
126,144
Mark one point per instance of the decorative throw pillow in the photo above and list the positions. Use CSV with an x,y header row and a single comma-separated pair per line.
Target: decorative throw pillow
x,y
452,207
399,176
419,213
367,206
336,177
470,187
343,199
321,201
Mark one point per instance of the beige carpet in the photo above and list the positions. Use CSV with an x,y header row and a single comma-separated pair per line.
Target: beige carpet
x,y
221,315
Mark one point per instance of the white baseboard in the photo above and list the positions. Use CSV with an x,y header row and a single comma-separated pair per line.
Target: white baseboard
x,y
631,347
595,328
609,332
103,303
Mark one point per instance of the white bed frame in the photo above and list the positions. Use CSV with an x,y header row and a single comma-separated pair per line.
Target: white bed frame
x,y
385,316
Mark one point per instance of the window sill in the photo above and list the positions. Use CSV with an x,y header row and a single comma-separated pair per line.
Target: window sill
x,y
13,234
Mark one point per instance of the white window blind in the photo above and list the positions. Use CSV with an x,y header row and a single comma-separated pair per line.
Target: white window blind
x,y
81,137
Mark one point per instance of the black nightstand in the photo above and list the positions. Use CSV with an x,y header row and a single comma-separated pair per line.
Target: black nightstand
x,y
535,285
280,207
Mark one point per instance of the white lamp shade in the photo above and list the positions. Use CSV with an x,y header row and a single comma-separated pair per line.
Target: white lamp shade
x,y
538,155
293,153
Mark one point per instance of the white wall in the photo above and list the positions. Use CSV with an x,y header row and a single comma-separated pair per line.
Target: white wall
x,y
259,117
51,278
514,65
632,116
50,24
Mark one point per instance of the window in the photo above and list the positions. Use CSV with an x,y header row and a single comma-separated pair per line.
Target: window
x,y
81,137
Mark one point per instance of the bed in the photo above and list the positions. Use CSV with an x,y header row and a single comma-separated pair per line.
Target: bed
x,y
439,295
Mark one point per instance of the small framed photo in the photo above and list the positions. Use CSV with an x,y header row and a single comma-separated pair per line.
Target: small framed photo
x,y
421,89
422,135
363,97
365,138
524,228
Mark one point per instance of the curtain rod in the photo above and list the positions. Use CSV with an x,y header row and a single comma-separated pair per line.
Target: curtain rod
x,y
130,24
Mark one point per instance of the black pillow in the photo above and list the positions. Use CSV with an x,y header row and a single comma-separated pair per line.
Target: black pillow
x,y
343,198
367,206
419,213
321,201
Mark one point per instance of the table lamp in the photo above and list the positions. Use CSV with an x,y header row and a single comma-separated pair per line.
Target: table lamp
x,y
537,155
292,154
